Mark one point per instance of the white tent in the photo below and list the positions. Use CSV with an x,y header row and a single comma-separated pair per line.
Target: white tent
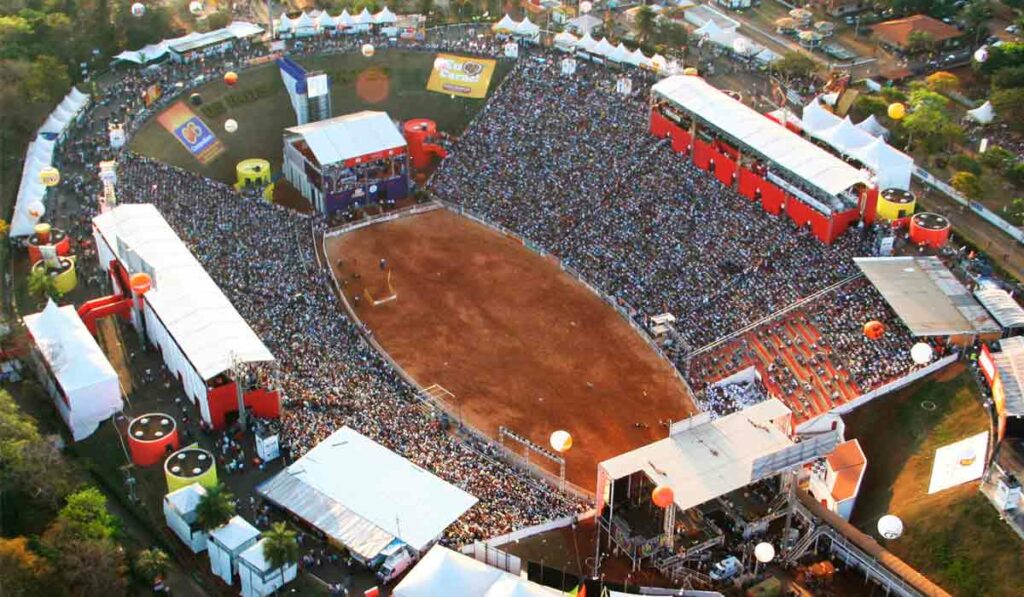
x,y
845,136
146,54
258,578
226,543
77,374
38,156
983,114
526,29
871,126
893,168
816,118
385,17
304,26
180,515
565,41
620,54
658,62
604,48
584,24
243,29
506,25
587,44
363,20
445,572
325,21
637,58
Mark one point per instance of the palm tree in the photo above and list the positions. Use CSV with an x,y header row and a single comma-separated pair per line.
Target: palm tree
x,y
41,284
215,508
280,547
646,22
151,563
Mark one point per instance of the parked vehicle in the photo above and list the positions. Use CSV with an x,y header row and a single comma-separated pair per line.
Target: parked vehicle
x,y
725,569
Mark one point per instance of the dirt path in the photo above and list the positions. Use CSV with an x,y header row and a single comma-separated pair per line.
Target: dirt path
x,y
110,340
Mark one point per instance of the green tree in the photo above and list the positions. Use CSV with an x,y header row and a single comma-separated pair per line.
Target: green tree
x,y
425,7
1008,78
1009,105
1002,56
22,571
919,42
84,518
967,184
997,158
280,548
91,567
932,127
646,23
215,508
793,65
42,285
47,80
218,20
670,36
975,14
942,82
152,563
869,105
29,463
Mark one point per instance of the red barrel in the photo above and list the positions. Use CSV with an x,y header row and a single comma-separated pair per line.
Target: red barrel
x,y
57,238
929,229
151,437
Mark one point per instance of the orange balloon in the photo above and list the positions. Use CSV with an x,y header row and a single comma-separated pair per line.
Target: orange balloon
x,y
874,330
231,77
662,496
141,283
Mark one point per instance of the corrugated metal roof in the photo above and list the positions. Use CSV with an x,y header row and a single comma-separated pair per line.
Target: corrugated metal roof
x,y
1001,305
350,136
1009,364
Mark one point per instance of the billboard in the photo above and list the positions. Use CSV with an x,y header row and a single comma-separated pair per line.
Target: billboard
x,y
151,94
461,75
191,132
959,463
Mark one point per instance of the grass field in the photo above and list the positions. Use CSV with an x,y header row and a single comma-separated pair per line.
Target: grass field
x,y
954,537
393,81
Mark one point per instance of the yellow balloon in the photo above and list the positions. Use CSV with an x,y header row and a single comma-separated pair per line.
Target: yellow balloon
x,y
690,71
49,176
897,111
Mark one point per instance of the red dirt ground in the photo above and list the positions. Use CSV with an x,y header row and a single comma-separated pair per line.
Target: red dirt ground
x,y
515,339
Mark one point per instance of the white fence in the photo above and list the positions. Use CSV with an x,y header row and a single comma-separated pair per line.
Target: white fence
x,y
894,385
983,212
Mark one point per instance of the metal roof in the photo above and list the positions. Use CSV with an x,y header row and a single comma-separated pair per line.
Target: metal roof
x,y
350,136
1001,305
816,166
926,296
1009,364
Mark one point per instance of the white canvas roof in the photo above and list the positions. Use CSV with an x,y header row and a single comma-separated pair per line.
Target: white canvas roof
x,y
587,44
191,306
526,28
983,114
792,152
385,17
443,572
303,21
926,296
584,23
566,39
234,533
620,54
604,47
345,18
254,557
364,496
350,136
506,24
79,365
710,458
1006,311
38,156
186,499
1009,363
364,18
240,29
871,126
325,20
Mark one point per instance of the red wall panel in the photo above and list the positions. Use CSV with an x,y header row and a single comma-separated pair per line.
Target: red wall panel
x,y
659,124
680,139
701,154
749,183
771,198
724,169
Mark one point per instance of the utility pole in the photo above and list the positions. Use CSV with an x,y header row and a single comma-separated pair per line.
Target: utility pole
x,y
238,372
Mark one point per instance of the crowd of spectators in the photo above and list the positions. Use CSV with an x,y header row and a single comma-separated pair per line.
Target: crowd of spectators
x,y
727,398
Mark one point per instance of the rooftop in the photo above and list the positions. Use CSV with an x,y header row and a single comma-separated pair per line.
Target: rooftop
x,y
897,32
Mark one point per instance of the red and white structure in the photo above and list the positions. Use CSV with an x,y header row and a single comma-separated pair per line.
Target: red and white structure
x,y
835,482
73,369
184,314
765,162
930,230
151,438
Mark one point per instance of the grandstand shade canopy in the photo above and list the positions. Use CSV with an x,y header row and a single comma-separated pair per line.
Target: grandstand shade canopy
x,y
1009,363
365,496
926,296
350,137
709,458
446,572
203,40
193,309
812,164
1006,311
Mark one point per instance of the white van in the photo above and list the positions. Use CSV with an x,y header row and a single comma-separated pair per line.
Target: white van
x,y
726,569
397,559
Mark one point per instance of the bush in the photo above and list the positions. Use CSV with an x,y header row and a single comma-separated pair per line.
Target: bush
x,y
1015,174
891,94
966,164
967,184
996,158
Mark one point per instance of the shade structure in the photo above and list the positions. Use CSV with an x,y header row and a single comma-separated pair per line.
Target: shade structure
x,y
506,25
871,126
983,114
445,572
77,375
152,52
1003,307
180,515
565,41
226,543
258,578
350,137
385,17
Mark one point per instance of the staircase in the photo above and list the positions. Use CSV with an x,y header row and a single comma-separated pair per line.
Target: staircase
x,y
673,567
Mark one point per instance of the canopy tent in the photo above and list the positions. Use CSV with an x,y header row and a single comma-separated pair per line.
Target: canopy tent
x,y
325,21
151,52
304,26
226,543
893,169
363,20
345,19
258,577
526,29
30,190
1001,305
565,41
983,114
926,296
351,136
871,126
620,54
244,29
506,25
364,496
446,572
587,44
180,515
604,48
793,153
637,58
80,379
385,17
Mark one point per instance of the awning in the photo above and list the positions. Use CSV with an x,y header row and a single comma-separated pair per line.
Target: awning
x,y
1001,305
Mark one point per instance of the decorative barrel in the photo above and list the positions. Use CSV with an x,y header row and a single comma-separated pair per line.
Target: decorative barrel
x,y
46,235
252,171
151,437
929,229
65,279
894,204
188,466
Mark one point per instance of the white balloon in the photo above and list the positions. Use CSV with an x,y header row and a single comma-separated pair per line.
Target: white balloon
x,y
138,9
367,50
586,7
36,210
921,353
195,7
981,54
561,441
764,552
230,125
890,526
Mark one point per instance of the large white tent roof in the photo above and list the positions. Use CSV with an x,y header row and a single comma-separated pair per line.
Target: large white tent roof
x,y
350,136
792,152
385,17
443,572
983,114
365,496
707,459
239,29
69,349
235,533
38,156
202,321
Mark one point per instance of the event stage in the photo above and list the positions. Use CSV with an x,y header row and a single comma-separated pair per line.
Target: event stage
x,y
516,340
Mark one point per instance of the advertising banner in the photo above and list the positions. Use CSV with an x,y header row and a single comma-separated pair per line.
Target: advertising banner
x,y
191,132
151,94
461,75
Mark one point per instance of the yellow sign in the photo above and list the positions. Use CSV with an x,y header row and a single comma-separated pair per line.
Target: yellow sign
x,y
461,75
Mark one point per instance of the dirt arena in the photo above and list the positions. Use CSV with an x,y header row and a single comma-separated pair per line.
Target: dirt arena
x,y
515,339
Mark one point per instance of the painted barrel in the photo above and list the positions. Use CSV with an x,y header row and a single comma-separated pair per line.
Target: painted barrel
x,y
190,465
894,204
929,229
151,437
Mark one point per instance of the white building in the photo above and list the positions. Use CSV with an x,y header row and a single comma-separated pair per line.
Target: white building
x,y
73,369
258,578
226,543
835,482
180,515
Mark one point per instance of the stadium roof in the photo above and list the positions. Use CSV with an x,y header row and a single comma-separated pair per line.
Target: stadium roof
x,y
446,572
350,136
926,296
202,40
365,496
193,309
789,150
1009,363
705,459
1001,305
